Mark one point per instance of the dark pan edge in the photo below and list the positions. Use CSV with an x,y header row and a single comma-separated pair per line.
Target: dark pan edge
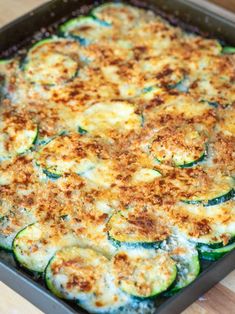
x,y
205,281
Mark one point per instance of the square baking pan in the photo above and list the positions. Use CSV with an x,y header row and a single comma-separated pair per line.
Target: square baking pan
x,y
194,15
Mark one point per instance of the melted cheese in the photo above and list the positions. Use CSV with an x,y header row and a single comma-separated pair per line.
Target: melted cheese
x,y
18,134
134,272
179,146
104,117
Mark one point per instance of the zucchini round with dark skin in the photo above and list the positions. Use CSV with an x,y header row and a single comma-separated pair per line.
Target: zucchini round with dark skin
x,y
181,147
83,275
211,79
52,61
219,190
134,228
86,29
211,226
75,154
210,254
143,273
35,245
10,224
17,134
187,262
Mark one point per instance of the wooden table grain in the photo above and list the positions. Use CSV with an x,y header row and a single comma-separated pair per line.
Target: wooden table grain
x,y
219,300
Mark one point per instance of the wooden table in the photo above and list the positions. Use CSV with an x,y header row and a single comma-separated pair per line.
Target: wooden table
x,y
219,300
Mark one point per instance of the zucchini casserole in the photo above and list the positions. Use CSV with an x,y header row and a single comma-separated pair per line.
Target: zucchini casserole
x,y
117,158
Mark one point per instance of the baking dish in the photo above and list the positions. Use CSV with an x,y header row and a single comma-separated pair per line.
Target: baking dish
x,y
182,299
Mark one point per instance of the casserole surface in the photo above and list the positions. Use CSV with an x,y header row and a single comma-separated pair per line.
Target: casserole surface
x,y
134,166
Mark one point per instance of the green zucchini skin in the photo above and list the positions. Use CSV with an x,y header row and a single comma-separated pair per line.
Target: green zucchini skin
x,y
215,245
190,164
215,201
213,104
51,175
82,131
228,50
195,162
216,253
134,245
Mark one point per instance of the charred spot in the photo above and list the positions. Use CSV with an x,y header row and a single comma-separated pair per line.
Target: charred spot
x,y
85,28
121,257
74,93
82,284
139,51
156,101
194,85
164,73
203,226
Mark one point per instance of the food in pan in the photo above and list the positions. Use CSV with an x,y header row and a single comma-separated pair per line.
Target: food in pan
x,y
117,158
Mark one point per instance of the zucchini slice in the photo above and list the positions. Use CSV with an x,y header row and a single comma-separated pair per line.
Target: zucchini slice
x,y
145,175
228,50
180,146
143,273
220,189
211,79
75,154
212,226
104,118
163,71
187,262
83,275
118,14
52,61
35,245
10,224
170,107
17,135
210,254
86,29
134,228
